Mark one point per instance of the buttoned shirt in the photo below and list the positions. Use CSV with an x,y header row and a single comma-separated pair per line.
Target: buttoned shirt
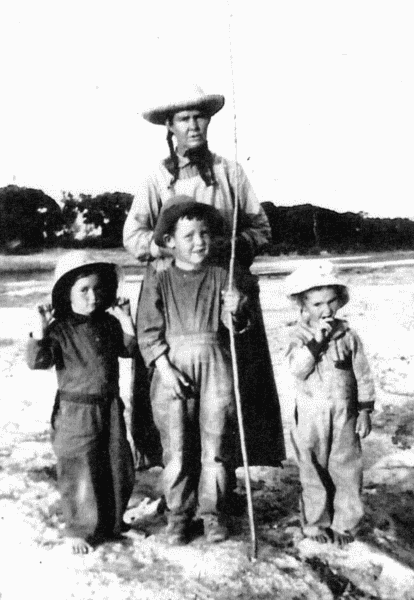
x,y
85,352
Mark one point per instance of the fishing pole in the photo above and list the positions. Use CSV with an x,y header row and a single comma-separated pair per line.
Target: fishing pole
x,y
253,539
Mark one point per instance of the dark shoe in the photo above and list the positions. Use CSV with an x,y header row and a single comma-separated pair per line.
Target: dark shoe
x,y
236,504
177,533
214,529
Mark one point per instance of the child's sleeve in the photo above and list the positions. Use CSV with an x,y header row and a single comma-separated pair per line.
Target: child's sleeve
x,y
363,375
126,343
302,357
151,319
42,354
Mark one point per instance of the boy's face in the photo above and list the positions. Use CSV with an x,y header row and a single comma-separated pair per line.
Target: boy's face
x,y
190,243
321,304
86,294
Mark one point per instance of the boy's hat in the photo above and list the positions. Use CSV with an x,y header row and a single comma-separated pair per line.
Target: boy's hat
x,y
187,96
175,208
311,275
71,264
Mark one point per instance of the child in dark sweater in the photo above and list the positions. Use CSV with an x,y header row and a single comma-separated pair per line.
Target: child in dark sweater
x,y
83,341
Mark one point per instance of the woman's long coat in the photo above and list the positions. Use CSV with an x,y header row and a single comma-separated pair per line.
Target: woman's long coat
x,y
262,418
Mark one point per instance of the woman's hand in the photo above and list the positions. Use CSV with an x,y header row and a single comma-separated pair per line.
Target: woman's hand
x,y
44,316
172,379
363,424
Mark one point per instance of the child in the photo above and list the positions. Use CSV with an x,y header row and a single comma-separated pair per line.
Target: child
x,y
180,332
77,336
334,399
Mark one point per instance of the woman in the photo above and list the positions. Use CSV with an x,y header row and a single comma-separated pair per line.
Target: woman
x,y
192,169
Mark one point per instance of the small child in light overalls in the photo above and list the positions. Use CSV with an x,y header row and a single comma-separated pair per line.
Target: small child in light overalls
x,y
83,341
334,398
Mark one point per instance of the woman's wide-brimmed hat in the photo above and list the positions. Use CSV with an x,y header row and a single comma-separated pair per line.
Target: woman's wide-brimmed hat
x,y
188,96
176,207
312,275
74,263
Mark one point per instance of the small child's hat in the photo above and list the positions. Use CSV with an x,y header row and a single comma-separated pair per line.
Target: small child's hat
x,y
177,207
311,275
72,264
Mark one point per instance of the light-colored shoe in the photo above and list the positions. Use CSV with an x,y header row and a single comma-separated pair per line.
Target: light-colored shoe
x,y
215,530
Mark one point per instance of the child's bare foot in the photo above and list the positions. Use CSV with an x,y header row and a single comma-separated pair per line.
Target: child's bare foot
x,y
342,539
322,537
79,546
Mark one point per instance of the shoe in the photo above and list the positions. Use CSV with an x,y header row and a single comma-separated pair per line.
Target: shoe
x,y
214,529
177,533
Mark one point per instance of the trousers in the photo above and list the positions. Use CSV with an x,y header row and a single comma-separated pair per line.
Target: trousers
x,y
197,433
328,453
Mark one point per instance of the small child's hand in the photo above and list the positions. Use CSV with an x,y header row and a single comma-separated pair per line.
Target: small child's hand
x,y
363,424
172,379
318,331
44,316
322,329
124,304
122,311
231,300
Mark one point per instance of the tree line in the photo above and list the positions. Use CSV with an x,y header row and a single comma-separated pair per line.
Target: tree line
x,y
32,220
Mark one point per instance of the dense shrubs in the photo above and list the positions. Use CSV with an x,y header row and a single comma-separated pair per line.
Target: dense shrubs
x,y
29,219
308,229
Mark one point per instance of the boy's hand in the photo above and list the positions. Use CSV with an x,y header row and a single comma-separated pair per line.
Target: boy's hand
x,y
172,378
231,301
363,424
44,316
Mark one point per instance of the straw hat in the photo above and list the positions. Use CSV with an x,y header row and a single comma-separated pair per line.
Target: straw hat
x,y
188,96
71,264
314,275
176,207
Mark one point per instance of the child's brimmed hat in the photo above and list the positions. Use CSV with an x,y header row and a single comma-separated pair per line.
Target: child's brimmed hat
x,y
187,97
78,262
180,206
312,275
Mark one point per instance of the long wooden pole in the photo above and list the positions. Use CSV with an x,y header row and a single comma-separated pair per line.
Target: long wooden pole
x,y
253,539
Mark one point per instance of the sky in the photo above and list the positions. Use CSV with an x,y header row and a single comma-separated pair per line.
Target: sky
x,y
319,94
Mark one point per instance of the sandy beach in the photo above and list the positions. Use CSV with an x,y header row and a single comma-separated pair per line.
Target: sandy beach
x,y
36,563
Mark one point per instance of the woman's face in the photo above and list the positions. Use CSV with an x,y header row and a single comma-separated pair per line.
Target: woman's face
x,y
190,129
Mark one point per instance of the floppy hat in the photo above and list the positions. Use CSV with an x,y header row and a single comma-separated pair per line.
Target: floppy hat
x,y
72,264
188,96
314,275
175,208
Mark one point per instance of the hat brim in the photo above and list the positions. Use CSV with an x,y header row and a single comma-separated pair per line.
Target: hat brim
x,y
110,273
296,292
210,104
171,214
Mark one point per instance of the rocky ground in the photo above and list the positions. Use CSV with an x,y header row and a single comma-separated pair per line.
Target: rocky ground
x,y
35,562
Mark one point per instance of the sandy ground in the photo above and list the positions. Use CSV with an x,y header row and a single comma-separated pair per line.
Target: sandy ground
x,y
36,564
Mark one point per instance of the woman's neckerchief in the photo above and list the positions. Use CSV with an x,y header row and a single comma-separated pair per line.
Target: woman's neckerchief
x,y
200,157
